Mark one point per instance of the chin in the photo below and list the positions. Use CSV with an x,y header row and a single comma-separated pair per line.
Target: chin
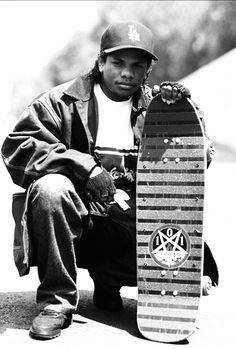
x,y
125,93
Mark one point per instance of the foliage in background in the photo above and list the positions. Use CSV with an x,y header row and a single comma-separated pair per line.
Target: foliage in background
x,y
188,34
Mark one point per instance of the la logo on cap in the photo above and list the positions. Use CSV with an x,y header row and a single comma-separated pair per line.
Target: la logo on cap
x,y
133,34
125,35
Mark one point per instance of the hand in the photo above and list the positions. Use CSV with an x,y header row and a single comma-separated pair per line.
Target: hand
x,y
171,91
99,186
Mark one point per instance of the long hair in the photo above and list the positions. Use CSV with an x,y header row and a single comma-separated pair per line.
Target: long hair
x,y
95,73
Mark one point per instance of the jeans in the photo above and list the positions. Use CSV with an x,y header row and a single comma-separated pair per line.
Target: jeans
x,y
65,236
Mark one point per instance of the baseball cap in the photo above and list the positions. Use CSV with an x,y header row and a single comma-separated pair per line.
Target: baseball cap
x,y
128,34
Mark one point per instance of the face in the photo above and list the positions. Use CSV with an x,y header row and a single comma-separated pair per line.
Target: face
x,y
123,72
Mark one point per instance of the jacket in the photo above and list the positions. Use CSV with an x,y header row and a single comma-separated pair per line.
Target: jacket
x,y
56,134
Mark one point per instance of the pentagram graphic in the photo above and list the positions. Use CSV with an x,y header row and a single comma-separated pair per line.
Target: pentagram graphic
x,y
169,246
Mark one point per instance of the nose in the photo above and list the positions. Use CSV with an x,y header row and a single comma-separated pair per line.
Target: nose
x,y
127,72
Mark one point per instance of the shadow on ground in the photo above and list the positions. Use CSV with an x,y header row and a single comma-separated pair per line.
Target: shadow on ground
x,y
18,309
123,320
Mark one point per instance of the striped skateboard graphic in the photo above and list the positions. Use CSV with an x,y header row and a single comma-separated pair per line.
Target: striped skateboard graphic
x,y
170,194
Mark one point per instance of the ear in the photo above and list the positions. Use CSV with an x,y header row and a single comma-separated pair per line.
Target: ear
x,y
100,64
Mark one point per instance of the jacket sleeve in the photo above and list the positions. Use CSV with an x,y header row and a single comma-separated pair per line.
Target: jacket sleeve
x,y
36,148
210,148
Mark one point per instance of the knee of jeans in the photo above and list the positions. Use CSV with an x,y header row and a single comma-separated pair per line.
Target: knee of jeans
x,y
52,187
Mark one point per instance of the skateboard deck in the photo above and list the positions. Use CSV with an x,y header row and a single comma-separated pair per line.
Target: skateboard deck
x,y
170,197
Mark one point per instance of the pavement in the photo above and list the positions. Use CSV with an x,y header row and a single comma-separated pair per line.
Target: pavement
x,y
93,328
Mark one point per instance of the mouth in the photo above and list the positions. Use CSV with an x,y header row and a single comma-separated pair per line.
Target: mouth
x,y
125,85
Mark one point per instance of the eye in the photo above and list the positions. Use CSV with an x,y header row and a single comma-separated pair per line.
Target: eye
x,y
140,65
117,63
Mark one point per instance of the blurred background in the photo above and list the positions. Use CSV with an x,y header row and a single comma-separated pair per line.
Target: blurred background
x,y
44,43
47,43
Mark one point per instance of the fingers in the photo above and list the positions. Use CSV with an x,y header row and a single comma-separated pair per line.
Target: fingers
x,y
107,196
103,196
99,187
100,196
155,90
170,94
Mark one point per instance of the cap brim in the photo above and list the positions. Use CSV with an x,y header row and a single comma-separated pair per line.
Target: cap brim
x,y
121,47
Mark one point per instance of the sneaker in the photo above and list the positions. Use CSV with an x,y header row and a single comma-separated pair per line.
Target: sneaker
x,y
48,324
109,303
206,285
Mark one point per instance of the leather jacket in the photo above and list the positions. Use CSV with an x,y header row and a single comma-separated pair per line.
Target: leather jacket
x,y
56,134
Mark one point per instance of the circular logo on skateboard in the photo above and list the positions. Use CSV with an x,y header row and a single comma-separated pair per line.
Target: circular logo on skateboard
x,y
169,246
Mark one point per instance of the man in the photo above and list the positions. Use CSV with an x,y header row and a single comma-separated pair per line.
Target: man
x,y
75,150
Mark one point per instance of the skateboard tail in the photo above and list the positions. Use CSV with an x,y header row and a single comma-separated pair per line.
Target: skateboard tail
x,y
170,202
170,323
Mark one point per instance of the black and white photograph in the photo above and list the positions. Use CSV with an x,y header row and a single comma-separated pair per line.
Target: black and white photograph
x,y
118,168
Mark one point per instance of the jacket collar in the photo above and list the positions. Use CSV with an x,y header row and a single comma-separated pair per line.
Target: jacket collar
x,y
141,101
80,88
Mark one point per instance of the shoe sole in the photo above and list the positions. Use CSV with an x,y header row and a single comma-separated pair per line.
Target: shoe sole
x,y
43,336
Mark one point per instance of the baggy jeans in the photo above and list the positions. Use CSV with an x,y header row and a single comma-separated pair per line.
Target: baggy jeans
x,y
65,237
